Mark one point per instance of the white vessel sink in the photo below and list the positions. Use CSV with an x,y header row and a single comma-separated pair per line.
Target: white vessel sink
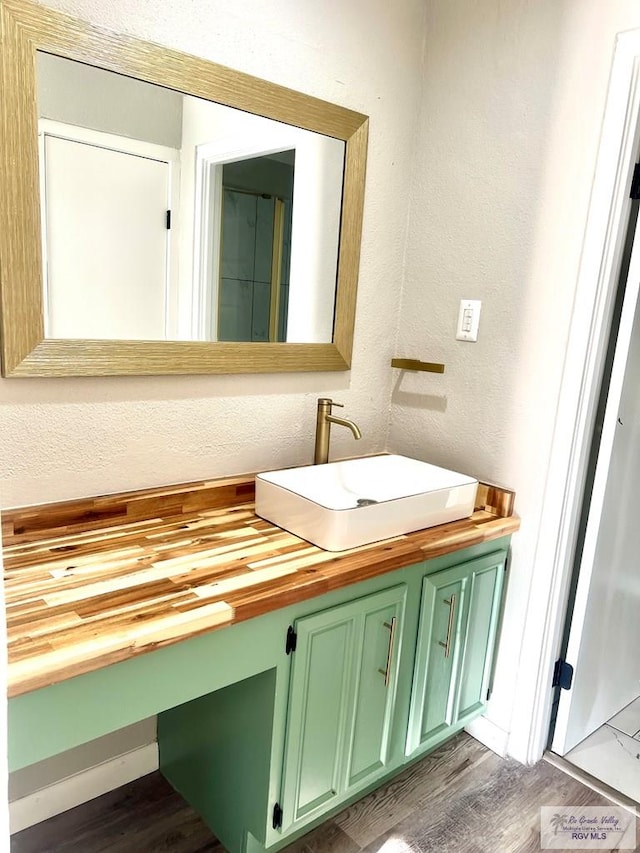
x,y
342,505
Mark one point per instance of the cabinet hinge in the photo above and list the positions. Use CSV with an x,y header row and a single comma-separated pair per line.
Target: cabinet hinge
x,y
277,816
168,220
562,675
634,193
292,640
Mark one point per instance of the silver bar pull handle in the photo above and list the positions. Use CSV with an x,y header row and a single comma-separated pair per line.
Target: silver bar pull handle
x,y
452,609
392,634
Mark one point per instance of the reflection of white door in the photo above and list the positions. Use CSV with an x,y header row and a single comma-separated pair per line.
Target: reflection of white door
x,y
106,239
605,627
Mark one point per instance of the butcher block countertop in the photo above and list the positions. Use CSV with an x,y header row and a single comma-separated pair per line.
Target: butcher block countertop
x,y
95,581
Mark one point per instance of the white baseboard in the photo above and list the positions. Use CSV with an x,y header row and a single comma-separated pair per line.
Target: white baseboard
x,y
493,737
82,787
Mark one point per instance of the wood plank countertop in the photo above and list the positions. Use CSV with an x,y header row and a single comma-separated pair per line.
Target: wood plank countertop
x,y
95,581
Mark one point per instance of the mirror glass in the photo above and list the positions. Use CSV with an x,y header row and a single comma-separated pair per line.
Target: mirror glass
x,y
170,217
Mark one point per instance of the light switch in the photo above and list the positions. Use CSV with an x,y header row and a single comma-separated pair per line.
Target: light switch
x,y
468,320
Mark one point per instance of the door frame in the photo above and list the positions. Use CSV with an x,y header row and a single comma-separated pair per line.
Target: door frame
x,y
584,362
210,158
588,563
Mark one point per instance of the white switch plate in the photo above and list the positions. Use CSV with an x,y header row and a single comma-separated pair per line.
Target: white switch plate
x,y
468,320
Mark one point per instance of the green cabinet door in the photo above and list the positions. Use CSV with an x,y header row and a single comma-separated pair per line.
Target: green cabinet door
x,y
484,590
456,634
341,700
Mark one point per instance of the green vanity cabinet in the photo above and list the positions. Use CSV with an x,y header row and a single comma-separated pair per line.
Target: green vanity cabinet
x,y
458,622
341,702
266,741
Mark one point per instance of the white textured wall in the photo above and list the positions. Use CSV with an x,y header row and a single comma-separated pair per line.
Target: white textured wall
x,y
72,437
512,108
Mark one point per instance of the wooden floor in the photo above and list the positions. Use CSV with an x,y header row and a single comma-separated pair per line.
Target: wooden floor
x,y
460,799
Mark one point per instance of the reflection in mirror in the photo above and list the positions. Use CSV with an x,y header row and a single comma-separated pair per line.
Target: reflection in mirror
x,y
255,253
169,217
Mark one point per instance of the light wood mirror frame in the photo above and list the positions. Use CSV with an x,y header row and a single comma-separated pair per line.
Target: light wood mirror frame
x,y
26,28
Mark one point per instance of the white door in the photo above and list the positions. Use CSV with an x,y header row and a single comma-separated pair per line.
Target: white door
x,y
106,241
604,639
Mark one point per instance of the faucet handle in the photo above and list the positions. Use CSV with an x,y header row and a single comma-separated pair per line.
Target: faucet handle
x,y
327,401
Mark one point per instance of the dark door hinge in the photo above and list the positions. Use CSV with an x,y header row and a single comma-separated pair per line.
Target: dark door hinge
x,y
168,220
507,560
562,675
277,816
292,640
635,183
488,694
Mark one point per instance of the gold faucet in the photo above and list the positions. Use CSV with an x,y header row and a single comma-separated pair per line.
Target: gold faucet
x,y
323,429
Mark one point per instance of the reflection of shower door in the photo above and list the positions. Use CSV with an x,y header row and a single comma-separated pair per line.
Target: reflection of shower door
x,y
254,267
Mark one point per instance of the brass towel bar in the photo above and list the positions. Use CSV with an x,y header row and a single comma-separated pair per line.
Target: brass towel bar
x,y
414,364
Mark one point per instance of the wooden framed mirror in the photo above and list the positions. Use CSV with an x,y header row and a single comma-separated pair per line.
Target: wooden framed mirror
x,y
30,33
